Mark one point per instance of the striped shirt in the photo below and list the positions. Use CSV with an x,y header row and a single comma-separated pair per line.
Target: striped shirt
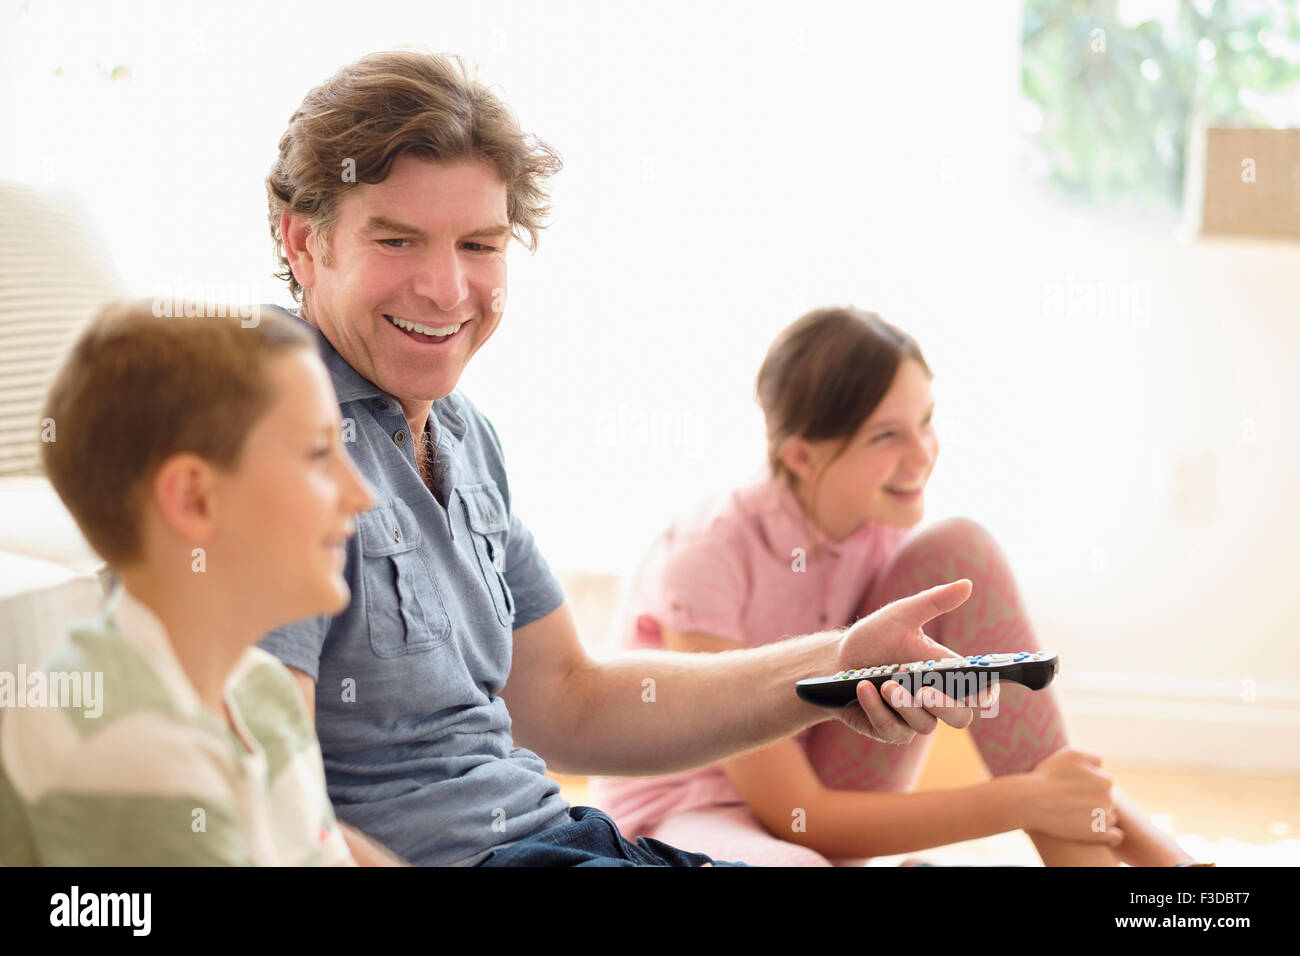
x,y
155,778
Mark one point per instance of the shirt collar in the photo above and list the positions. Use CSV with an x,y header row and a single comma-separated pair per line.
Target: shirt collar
x,y
787,526
143,629
351,386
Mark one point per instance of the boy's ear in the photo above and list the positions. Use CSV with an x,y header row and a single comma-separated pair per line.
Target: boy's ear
x,y
182,496
296,237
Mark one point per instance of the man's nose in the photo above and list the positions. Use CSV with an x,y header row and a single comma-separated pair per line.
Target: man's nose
x,y
441,278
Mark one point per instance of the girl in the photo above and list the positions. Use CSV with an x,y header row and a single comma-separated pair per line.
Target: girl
x,y
820,542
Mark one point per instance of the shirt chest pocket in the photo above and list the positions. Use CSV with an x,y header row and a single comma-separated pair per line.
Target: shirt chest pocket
x,y
485,514
404,611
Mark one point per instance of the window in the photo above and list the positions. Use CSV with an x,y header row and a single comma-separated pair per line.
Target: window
x,y
1112,89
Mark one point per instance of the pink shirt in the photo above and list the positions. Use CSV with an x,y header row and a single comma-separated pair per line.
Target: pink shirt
x,y
746,572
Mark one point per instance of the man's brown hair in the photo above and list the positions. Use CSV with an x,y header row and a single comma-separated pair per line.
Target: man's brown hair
x,y
136,389
385,105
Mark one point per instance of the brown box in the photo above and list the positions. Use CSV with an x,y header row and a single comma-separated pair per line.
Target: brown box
x,y
1245,182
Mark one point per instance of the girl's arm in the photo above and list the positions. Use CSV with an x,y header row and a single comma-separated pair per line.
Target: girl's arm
x,y
784,792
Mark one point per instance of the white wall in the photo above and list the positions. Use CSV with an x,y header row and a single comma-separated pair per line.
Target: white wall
x,y
1113,403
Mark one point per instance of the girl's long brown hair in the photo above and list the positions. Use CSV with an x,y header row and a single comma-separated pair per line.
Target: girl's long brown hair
x,y
823,377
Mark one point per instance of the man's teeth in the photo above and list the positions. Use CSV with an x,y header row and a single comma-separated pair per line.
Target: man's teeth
x,y
423,329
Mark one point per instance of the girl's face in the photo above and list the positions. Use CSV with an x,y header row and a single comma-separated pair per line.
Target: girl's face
x,y
881,474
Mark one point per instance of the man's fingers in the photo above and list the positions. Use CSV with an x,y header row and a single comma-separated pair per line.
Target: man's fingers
x,y
885,724
929,604
910,715
916,716
958,714
958,718
987,696
954,713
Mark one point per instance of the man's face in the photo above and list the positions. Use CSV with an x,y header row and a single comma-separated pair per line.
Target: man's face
x,y
427,246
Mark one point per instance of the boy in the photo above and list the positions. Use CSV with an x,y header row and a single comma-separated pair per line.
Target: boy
x,y
202,460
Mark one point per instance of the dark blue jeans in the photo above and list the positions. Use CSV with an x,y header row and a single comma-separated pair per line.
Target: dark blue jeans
x,y
592,839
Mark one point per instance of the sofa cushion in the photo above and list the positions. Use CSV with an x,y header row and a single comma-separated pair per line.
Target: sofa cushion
x,y
39,602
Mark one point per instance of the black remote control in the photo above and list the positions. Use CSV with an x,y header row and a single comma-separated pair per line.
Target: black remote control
x,y
958,677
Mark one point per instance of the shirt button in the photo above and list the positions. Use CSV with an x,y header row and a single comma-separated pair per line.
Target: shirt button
x,y
397,534
399,436
823,618
381,404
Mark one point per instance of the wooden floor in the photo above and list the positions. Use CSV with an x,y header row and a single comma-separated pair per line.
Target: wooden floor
x,y
1230,819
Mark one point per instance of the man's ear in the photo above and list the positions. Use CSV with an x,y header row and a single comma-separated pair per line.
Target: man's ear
x,y
796,453
298,241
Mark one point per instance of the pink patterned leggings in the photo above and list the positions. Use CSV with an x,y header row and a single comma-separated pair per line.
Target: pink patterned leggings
x,y
1029,726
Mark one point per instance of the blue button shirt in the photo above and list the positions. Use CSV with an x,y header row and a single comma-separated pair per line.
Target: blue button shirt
x,y
416,742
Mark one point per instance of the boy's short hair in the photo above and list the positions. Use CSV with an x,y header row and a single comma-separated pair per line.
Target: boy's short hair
x,y
136,389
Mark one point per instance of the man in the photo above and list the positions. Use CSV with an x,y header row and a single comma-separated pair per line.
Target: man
x,y
399,183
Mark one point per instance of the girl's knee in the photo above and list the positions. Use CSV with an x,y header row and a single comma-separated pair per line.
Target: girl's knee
x,y
957,531
947,550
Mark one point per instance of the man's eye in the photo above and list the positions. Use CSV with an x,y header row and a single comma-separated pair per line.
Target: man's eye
x,y
385,242
481,247
882,435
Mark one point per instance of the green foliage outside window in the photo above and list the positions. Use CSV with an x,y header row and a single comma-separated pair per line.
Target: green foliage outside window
x,y
1112,88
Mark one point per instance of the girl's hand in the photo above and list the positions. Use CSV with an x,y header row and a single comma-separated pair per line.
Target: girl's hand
x,y
1068,796
893,635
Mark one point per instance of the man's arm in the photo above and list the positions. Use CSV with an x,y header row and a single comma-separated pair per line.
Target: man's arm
x,y
649,712
364,850
653,711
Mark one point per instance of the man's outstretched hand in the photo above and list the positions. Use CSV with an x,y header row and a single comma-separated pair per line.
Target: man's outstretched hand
x,y
893,635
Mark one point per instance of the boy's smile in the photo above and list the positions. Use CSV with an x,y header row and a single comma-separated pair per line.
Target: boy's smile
x,y
289,507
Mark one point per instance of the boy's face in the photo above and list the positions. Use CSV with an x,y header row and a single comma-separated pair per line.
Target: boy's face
x,y
284,514
425,246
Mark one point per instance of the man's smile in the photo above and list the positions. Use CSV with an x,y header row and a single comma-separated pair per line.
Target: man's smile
x,y
425,334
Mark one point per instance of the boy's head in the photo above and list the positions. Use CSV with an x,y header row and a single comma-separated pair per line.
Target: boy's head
x,y
171,434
